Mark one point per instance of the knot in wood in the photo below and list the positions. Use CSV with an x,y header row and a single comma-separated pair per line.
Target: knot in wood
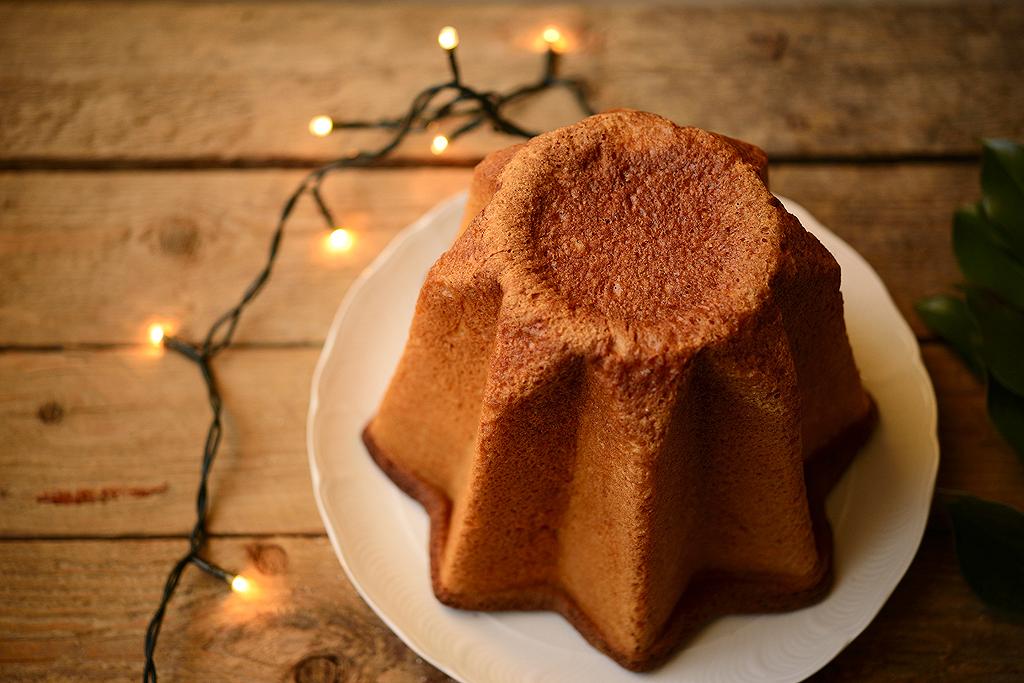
x,y
317,669
268,558
50,412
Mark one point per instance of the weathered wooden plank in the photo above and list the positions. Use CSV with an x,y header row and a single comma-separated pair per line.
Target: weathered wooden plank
x,y
108,443
94,257
236,81
974,457
76,611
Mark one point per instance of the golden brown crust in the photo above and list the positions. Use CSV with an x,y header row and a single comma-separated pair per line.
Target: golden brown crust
x,y
622,385
723,595
485,182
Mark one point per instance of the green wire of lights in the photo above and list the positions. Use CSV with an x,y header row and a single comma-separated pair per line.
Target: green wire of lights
x,y
451,100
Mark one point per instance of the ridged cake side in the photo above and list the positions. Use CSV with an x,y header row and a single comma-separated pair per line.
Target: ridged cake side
x,y
626,390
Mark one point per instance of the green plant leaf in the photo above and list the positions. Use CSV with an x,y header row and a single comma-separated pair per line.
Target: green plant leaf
x,y
948,317
990,548
1002,183
1007,412
1002,334
983,260
988,331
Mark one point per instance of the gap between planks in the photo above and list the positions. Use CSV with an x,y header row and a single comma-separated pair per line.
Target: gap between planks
x,y
297,163
238,346
132,346
116,538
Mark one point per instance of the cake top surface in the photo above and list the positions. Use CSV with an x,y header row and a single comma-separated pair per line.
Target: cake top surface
x,y
634,221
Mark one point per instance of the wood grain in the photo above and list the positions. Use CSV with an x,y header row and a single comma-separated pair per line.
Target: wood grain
x,y
96,257
229,82
106,443
75,611
974,457
93,258
122,458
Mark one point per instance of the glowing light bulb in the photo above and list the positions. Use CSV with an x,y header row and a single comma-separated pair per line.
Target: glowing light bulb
x,y
321,126
340,240
240,584
553,39
439,144
448,38
156,334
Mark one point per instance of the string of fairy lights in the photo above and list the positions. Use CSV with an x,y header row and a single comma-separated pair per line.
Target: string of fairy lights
x,y
453,101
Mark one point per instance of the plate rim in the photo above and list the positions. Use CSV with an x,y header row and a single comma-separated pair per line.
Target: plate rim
x,y
903,332
396,243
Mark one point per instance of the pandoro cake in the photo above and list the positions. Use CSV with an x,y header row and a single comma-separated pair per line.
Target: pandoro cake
x,y
627,389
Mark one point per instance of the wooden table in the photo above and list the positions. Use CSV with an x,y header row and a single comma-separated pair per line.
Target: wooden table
x,y
146,148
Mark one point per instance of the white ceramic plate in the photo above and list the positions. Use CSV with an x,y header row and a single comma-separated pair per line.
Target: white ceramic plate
x,y
878,511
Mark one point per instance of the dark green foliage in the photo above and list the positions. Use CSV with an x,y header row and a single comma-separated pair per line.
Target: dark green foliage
x,y
985,326
990,546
